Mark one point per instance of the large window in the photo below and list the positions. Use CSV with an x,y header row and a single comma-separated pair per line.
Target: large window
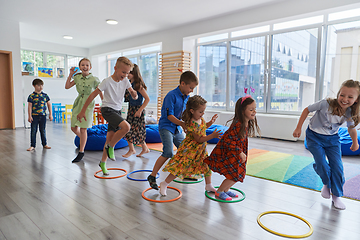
x,y
293,70
31,61
247,70
342,57
212,74
148,61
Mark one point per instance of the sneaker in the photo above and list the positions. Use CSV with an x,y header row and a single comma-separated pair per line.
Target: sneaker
x,y
223,196
232,194
152,182
110,152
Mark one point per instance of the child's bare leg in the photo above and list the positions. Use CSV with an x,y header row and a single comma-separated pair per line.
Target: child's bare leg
x,y
76,130
164,184
152,177
102,164
226,185
131,150
83,139
144,150
158,164
116,136
209,187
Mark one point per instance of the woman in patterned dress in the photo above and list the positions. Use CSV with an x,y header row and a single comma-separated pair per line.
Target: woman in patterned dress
x,y
135,116
230,154
85,83
188,160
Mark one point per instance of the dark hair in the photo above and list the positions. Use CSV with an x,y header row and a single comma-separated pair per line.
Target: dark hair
x,y
240,108
138,81
336,109
37,81
189,77
194,103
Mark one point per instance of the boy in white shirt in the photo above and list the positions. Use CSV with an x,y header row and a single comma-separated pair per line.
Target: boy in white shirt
x,y
114,90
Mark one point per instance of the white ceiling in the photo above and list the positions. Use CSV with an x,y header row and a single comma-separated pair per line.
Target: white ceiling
x,y
84,20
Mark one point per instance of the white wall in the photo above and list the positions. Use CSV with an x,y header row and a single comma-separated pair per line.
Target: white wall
x,y
10,41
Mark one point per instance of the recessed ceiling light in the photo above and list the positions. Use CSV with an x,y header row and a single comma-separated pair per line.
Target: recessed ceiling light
x,y
111,22
67,37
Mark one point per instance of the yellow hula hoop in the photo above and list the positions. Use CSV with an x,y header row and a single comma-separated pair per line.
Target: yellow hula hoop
x,y
286,235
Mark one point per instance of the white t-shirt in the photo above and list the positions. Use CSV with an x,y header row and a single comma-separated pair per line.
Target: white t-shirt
x,y
113,92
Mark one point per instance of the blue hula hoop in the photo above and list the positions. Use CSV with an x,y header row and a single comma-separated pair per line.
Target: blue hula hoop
x,y
134,179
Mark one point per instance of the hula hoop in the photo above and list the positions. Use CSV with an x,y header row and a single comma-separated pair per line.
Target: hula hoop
x,y
189,182
134,179
282,234
220,200
95,174
159,201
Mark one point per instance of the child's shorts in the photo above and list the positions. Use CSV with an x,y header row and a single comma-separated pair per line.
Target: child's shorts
x,y
113,117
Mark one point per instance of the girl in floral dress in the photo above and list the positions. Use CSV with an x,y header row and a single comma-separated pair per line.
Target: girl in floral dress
x,y
230,154
188,161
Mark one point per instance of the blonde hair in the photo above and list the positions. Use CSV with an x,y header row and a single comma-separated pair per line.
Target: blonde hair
x,y
194,103
240,108
336,109
125,61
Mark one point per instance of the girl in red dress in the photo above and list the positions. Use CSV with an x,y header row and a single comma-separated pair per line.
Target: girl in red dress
x,y
230,154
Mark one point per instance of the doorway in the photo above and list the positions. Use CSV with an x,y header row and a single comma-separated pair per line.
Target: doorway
x,y
7,116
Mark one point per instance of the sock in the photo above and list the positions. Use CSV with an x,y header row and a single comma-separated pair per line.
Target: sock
x,y
209,188
103,168
79,157
163,187
338,203
325,192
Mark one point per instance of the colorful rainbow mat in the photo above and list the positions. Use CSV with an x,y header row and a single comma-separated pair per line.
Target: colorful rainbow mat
x,y
298,171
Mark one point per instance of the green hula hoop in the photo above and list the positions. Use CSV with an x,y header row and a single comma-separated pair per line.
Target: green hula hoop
x,y
200,180
220,200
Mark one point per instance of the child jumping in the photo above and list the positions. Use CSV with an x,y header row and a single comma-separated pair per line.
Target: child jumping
x,y
230,154
114,89
85,83
323,140
135,116
37,102
188,160
169,124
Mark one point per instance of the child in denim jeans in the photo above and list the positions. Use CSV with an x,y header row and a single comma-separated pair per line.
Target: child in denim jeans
x,y
37,102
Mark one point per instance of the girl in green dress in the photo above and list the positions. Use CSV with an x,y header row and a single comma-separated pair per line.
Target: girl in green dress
x,y
85,83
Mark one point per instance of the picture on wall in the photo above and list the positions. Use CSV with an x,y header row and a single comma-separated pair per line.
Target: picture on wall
x,y
28,67
45,72
60,72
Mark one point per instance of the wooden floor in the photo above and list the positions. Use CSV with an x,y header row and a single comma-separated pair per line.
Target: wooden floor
x,y
45,196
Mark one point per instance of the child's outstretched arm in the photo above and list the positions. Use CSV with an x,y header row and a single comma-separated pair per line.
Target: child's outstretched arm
x,y
353,135
69,83
91,97
201,139
175,120
303,116
211,122
50,110
145,103
133,93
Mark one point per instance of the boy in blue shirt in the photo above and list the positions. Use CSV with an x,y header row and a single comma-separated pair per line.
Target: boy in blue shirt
x,y
169,124
37,102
